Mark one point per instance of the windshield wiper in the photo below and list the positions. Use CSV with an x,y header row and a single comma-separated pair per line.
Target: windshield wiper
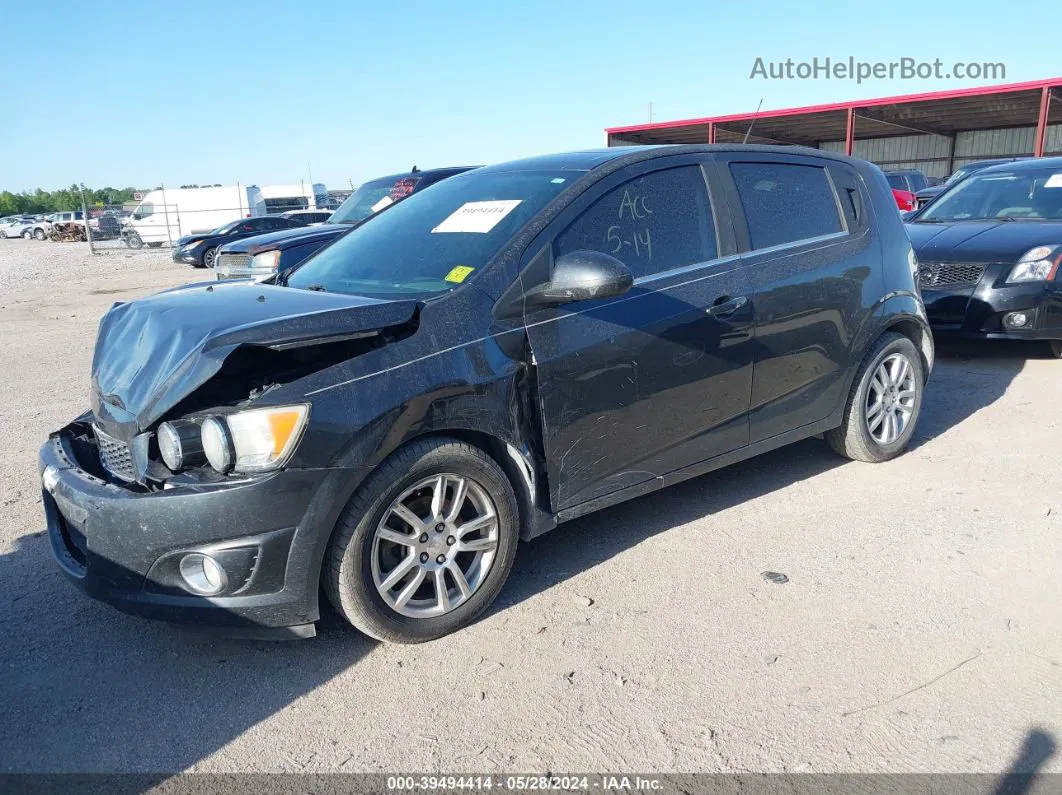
x,y
317,288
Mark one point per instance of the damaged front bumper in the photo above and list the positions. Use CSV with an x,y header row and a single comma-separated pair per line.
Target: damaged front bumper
x,y
123,544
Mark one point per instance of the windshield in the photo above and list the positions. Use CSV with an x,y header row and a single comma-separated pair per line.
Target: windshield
x,y
1005,195
435,239
224,229
958,176
372,197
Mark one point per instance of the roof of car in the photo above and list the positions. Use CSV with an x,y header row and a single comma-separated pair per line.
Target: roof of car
x,y
420,173
589,159
1030,164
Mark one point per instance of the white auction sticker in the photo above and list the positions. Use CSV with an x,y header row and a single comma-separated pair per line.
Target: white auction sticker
x,y
384,202
477,216
1054,181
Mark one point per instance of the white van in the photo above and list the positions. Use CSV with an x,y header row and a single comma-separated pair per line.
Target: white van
x,y
170,213
297,196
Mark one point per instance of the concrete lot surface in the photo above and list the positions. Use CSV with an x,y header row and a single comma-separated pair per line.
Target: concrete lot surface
x,y
918,629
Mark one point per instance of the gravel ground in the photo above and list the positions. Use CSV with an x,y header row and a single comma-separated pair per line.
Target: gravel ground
x,y
918,629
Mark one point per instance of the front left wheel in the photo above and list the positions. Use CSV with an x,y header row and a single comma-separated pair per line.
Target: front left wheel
x,y
425,544
1056,348
208,257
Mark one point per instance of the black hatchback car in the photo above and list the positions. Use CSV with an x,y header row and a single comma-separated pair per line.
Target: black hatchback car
x,y
511,348
989,251
200,250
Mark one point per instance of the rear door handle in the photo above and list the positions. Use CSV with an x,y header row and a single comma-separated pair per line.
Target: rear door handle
x,y
725,306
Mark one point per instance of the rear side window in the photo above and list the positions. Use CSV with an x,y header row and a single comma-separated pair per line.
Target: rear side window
x,y
654,223
784,202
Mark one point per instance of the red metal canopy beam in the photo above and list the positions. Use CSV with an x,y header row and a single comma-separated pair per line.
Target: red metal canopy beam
x,y
979,91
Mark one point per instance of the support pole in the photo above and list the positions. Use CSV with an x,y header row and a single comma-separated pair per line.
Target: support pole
x,y
711,132
849,133
1041,122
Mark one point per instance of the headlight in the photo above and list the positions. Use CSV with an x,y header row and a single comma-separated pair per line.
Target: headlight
x,y
193,244
257,440
267,260
180,444
1036,265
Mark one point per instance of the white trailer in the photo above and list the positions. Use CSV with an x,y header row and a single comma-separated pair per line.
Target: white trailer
x,y
296,196
167,214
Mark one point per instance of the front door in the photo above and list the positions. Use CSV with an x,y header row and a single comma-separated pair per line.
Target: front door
x,y
635,387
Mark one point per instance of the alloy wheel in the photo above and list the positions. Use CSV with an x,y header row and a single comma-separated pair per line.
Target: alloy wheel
x,y
435,546
890,399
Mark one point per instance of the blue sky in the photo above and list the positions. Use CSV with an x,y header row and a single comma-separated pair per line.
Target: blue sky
x,y
117,93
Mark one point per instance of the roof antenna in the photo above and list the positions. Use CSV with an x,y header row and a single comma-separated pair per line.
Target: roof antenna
x,y
415,170
748,132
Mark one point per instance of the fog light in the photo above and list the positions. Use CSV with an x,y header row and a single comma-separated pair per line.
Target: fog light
x,y
1016,319
203,575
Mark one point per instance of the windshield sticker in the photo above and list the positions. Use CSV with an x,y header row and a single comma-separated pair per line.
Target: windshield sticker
x,y
384,202
558,181
1054,181
458,274
478,217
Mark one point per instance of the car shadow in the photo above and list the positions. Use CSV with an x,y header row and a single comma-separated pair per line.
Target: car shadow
x,y
88,689
967,377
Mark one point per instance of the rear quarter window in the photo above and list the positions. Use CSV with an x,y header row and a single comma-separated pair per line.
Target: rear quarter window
x,y
785,202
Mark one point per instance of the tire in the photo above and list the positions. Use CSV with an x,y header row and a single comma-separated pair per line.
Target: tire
x,y
27,235
854,437
3,235
1056,348
133,240
353,561
40,234
208,258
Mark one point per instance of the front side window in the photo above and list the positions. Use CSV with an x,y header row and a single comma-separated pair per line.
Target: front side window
x,y
145,209
785,202
657,222
436,239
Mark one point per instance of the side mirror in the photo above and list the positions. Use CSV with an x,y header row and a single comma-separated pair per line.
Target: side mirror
x,y
583,276
136,216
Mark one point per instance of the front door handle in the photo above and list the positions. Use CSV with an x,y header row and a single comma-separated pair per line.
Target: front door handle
x,y
726,306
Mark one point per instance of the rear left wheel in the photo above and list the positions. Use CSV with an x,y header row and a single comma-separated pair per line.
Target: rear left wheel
x,y
425,544
884,403
27,235
1056,348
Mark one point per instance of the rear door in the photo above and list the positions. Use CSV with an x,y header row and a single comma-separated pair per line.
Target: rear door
x,y
802,225
638,386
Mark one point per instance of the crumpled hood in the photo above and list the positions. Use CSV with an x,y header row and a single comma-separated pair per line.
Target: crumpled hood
x,y
153,352
981,241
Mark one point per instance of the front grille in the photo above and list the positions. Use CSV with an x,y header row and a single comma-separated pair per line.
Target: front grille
x,y
950,274
233,260
115,456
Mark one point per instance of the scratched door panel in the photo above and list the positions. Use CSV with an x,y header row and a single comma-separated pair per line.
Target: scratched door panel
x,y
636,387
